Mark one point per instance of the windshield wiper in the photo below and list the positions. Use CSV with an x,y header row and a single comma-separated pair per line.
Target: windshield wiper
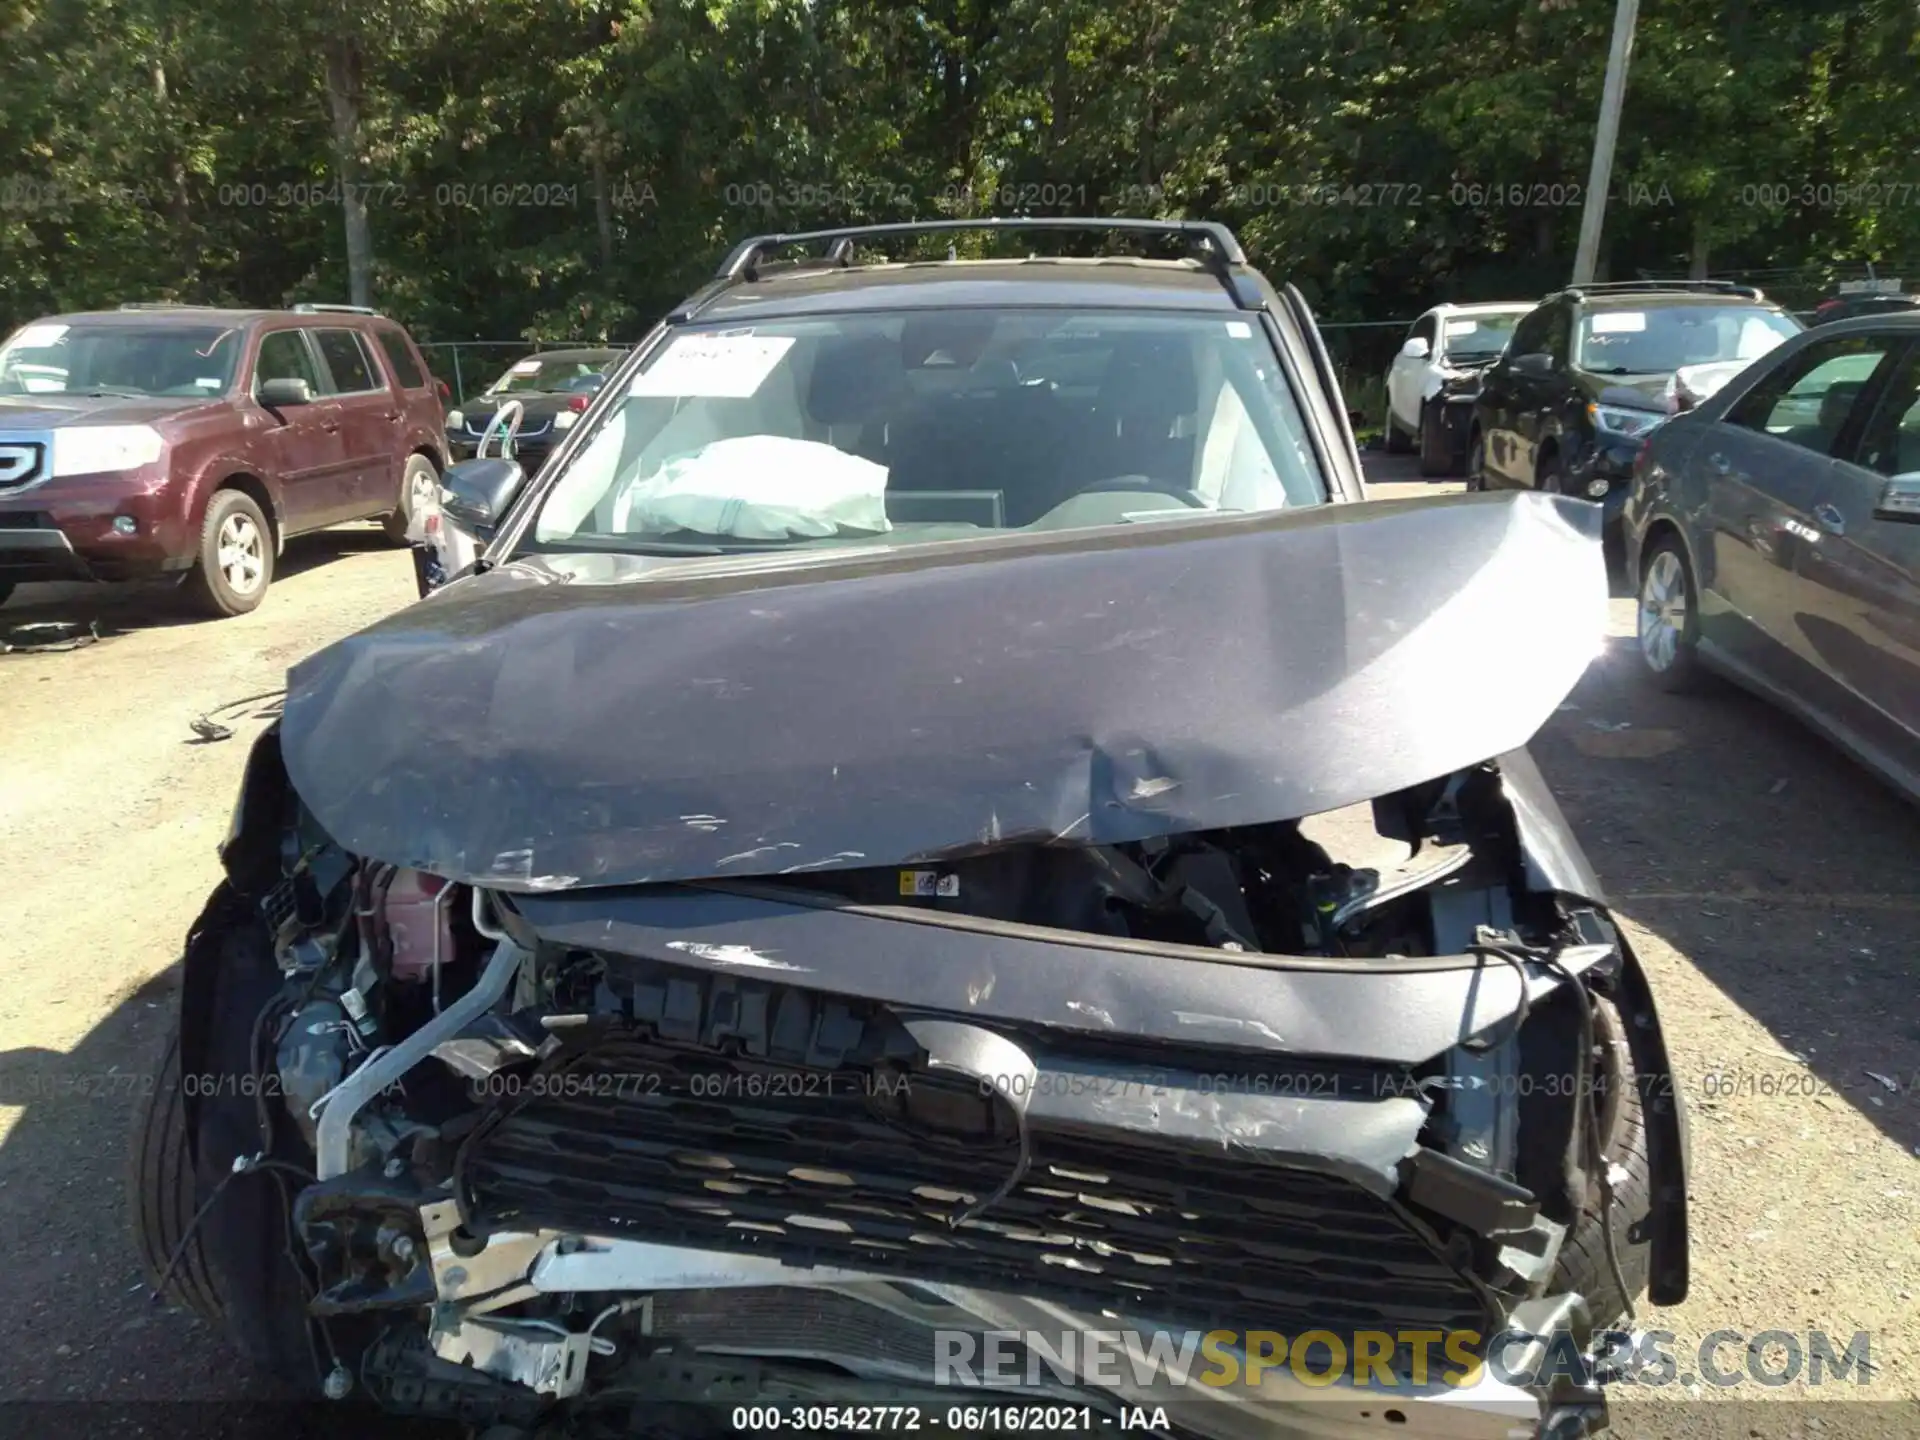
x,y
111,392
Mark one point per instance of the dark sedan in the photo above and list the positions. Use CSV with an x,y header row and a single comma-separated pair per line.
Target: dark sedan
x,y
1773,536
554,387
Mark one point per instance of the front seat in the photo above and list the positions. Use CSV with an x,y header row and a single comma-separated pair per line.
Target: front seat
x,y
854,389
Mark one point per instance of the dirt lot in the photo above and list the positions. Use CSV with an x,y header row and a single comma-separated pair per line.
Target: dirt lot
x,y
1772,886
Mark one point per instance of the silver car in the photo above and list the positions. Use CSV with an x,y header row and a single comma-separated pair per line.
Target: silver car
x,y
1773,536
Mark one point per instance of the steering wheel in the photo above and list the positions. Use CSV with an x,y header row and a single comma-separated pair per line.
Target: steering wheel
x,y
505,423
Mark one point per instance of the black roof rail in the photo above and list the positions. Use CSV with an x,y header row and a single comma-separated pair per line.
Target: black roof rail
x,y
311,309
1658,287
165,305
1217,245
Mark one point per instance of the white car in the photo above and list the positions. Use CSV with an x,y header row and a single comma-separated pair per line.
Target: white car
x,y
1431,386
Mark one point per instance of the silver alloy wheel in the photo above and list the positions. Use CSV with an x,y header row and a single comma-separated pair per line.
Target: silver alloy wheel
x,y
423,491
1663,611
240,553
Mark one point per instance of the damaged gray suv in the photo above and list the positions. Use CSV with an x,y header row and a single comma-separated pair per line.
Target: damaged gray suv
x,y
934,814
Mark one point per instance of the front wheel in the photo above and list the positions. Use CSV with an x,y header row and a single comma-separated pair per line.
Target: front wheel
x,y
235,564
1436,450
1669,617
1477,463
1395,440
419,490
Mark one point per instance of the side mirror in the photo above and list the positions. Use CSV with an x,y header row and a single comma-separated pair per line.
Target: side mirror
x,y
1416,349
1900,499
1538,363
477,493
282,391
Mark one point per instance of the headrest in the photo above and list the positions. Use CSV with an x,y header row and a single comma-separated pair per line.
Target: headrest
x,y
1155,379
853,378
1838,400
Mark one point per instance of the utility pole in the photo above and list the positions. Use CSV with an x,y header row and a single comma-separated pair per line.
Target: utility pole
x,y
1612,99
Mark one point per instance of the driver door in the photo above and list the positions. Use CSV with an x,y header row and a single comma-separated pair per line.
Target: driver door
x,y
1408,371
300,446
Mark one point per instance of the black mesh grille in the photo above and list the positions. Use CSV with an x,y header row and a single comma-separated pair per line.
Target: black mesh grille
x,y
682,1145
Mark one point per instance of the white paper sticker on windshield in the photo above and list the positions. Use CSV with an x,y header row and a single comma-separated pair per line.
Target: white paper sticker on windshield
x,y
1457,328
1239,329
730,367
526,367
1620,322
36,337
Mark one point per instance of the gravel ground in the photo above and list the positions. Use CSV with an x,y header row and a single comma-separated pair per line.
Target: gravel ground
x,y
1769,883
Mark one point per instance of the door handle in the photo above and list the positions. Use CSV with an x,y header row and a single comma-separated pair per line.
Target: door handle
x,y
329,426
1830,518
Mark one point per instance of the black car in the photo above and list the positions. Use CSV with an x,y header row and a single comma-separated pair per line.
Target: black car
x,y
554,387
934,813
1773,537
1852,307
1593,370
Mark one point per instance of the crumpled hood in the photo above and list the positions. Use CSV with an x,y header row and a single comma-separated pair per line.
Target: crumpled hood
x,y
558,723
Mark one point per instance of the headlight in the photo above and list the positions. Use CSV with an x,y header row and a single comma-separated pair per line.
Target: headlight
x,y
103,449
564,419
1617,420
1597,489
455,420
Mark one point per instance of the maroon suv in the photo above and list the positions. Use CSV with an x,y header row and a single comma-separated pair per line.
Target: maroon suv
x,y
164,438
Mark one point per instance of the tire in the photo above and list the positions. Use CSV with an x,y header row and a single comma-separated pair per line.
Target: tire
x,y
1551,476
419,473
233,532
1667,617
1436,454
1582,1264
1476,463
1392,438
234,1269
161,1195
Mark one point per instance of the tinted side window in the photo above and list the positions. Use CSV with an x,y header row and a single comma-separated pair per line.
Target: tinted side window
x,y
351,366
400,359
1808,400
284,356
1559,333
1891,444
1427,328
1530,337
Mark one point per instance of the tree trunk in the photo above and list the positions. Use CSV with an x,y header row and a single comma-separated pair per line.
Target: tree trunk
x,y
1702,250
343,100
176,168
602,201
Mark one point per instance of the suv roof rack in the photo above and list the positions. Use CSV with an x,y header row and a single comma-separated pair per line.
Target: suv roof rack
x,y
310,309
1656,287
1216,245
165,305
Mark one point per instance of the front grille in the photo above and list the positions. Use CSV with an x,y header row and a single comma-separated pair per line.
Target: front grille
x,y
22,462
814,1171
477,428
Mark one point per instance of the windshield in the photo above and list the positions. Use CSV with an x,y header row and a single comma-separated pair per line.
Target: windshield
x,y
536,375
1659,341
1479,337
132,360
934,426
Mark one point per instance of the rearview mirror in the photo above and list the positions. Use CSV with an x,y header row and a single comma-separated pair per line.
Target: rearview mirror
x,y
477,493
1416,349
282,391
585,384
1900,499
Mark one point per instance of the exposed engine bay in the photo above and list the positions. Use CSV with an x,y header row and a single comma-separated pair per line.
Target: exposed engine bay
x,y
538,1160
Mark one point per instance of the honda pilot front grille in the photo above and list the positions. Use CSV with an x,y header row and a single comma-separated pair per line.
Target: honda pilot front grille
x,y
22,462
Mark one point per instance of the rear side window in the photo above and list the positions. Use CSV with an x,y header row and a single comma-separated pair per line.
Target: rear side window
x,y
284,356
352,368
400,359
1808,401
